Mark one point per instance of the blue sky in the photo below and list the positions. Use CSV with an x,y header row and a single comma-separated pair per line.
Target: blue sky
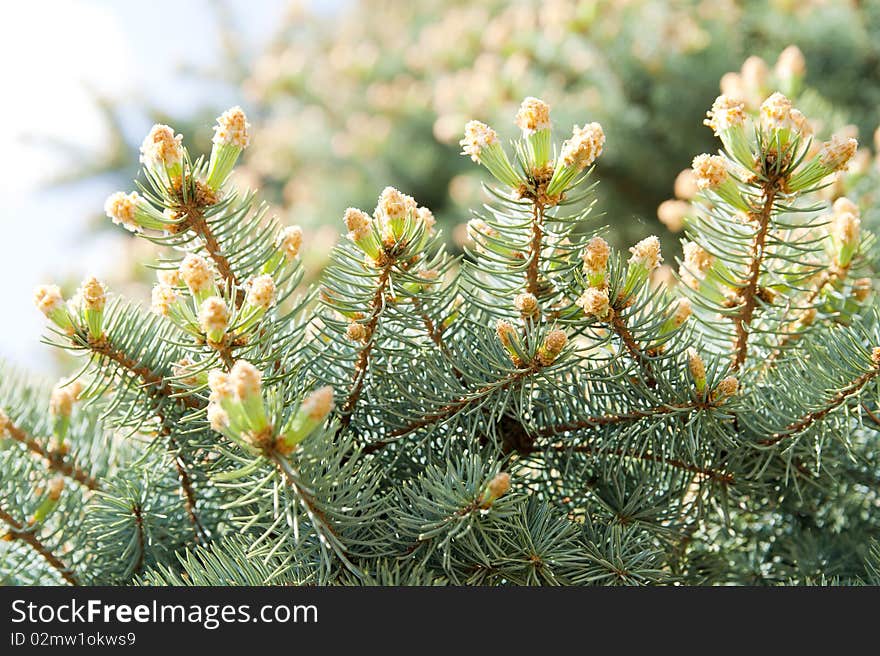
x,y
50,49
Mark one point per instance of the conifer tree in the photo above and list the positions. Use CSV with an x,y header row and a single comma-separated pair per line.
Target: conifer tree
x,y
538,411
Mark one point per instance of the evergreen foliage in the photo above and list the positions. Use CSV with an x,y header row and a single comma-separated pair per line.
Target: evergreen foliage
x,y
538,411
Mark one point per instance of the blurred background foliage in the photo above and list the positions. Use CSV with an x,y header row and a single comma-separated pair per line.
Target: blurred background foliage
x,y
376,92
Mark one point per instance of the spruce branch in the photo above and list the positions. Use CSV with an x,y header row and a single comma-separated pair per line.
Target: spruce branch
x,y
535,246
363,359
714,474
17,531
749,297
153,382
839,398
626,417
55,460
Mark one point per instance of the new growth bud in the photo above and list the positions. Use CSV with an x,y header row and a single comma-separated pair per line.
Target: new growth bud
x,y
50,302
481,143
495,489
231,136
311,414
645,258
527,305
289,241
595,303
162,152
580,151
697,369
93,296
197,276
214,319
726,388
552,347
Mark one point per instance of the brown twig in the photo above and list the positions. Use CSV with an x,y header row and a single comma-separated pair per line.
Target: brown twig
x,y
18,532
186,487
450,409
621,330
817,415
362,364
713,474
139,523
532,269
197,222
634,415
54,460
743,319
156,383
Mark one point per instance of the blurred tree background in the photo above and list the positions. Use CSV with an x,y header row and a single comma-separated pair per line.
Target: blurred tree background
x,y
376,92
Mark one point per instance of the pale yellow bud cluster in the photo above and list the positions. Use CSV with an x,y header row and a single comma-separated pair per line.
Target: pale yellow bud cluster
x,y
289,241
218,383
710,171
584,147
170,277
695,265
232,128
164,297
696,366
356,332
686,185
394,205
196,273
506,333
837,153
526,304
63,397
427,218
875,355
595,255
357,222
48,299
646,253
162,148
553,344
726,113
122,209
261,292
726,387
93,294
776,112
672,213
594,302
217,417
790,63
183,371
245,379
533,115
681,312
214,315
477,137
319,403
845,228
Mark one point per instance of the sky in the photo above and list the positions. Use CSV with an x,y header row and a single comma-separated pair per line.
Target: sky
x,y
51,51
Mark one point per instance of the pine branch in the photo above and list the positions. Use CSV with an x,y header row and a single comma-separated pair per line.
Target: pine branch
x,y
743,319
532,269
453,408
159,389
362,363
621,330
155,383
814,416
635,415
18,532
197,222
186,488
54,460
713,474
